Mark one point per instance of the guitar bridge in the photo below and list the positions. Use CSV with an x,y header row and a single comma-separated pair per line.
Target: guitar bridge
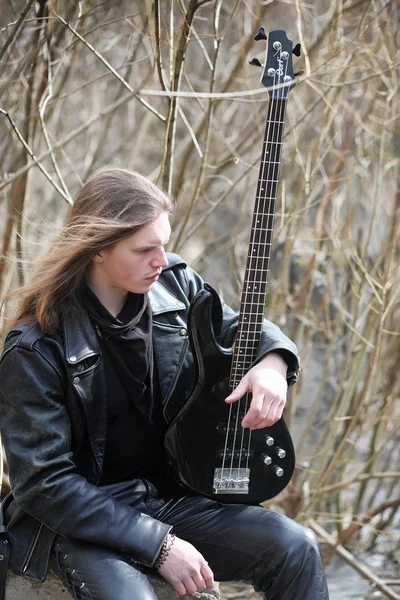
x,y
231,481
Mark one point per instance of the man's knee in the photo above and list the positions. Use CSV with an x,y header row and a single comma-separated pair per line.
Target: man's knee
x,y
303,550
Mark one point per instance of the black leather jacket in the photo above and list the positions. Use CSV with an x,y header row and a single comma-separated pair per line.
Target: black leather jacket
x,y
53,421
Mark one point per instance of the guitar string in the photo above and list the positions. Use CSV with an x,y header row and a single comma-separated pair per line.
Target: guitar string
x,y
274,149
277,110
269,165
240,349
260,201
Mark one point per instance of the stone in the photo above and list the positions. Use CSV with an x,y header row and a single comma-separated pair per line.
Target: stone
x,y
18,588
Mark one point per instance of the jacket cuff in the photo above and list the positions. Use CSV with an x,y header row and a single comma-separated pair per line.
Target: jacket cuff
x,y
147,545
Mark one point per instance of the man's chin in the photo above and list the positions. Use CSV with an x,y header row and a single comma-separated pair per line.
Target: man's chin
x,y
146,287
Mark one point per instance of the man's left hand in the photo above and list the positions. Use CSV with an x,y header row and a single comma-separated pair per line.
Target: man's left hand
x,y
267,383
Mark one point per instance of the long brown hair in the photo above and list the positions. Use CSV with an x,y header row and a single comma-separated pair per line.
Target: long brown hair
x,y
112,205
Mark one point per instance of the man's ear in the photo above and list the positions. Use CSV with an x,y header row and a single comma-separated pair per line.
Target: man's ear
x,y
98,258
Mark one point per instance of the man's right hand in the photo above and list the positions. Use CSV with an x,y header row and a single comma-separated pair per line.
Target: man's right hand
x,y
186,569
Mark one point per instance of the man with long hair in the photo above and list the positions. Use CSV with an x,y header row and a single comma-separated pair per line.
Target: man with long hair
x,y
93,353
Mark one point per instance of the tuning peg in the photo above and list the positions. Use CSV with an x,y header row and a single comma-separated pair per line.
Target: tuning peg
x,y
297,50
261,35
255,62
299,72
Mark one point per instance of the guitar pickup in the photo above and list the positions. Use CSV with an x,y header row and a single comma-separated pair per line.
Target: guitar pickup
x,y
223,427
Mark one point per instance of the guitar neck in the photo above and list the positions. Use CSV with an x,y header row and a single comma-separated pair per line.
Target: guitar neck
x,y
255,283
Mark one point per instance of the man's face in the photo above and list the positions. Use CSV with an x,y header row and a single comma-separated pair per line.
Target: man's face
x,y
134,264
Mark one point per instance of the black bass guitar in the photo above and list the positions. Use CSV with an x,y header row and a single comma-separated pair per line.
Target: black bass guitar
x,y
206,445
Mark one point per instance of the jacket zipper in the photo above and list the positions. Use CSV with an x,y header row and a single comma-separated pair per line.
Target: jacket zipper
x,y
85,420
31,551
173,384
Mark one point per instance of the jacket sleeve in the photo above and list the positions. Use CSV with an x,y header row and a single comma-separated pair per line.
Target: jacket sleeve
x,y
36,431
272,339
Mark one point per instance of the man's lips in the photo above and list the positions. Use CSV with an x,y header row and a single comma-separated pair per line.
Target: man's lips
x,y
154,276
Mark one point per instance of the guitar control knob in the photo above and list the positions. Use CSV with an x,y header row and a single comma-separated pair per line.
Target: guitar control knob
x,y
278,471
280,452
269,440
267,460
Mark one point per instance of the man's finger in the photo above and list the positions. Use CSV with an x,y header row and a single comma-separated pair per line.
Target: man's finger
x,y
208,576
179,587
255,413
238,392
199,582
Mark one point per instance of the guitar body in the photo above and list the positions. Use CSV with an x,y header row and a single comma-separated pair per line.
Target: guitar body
x,y
197,439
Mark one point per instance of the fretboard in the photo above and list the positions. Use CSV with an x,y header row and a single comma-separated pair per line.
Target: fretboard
x,y
254,291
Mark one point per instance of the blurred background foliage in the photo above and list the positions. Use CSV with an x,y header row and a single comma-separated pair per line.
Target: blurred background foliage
x,y
86,84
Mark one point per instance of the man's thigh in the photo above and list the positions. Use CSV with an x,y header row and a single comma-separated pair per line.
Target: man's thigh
x,y
89,571
233,538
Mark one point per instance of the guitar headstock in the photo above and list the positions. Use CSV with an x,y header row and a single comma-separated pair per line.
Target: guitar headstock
x,y
278,69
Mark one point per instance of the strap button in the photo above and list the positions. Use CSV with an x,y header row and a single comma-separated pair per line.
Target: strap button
x,y
76,379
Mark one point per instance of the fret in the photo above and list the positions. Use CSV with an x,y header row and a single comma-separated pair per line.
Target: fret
x,y
257,317
246,324
244,336
252,283
239,363
240,351
254,306
253,330
244,351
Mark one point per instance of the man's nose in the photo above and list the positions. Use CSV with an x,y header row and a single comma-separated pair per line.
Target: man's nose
x,y
161,259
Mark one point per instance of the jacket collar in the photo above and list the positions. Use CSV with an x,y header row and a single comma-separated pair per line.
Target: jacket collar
x,y
163,301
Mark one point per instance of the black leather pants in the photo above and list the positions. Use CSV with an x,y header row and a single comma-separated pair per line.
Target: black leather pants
x,y
276,555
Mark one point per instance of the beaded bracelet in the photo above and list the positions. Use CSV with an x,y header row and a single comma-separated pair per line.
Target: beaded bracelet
x,y
165,550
